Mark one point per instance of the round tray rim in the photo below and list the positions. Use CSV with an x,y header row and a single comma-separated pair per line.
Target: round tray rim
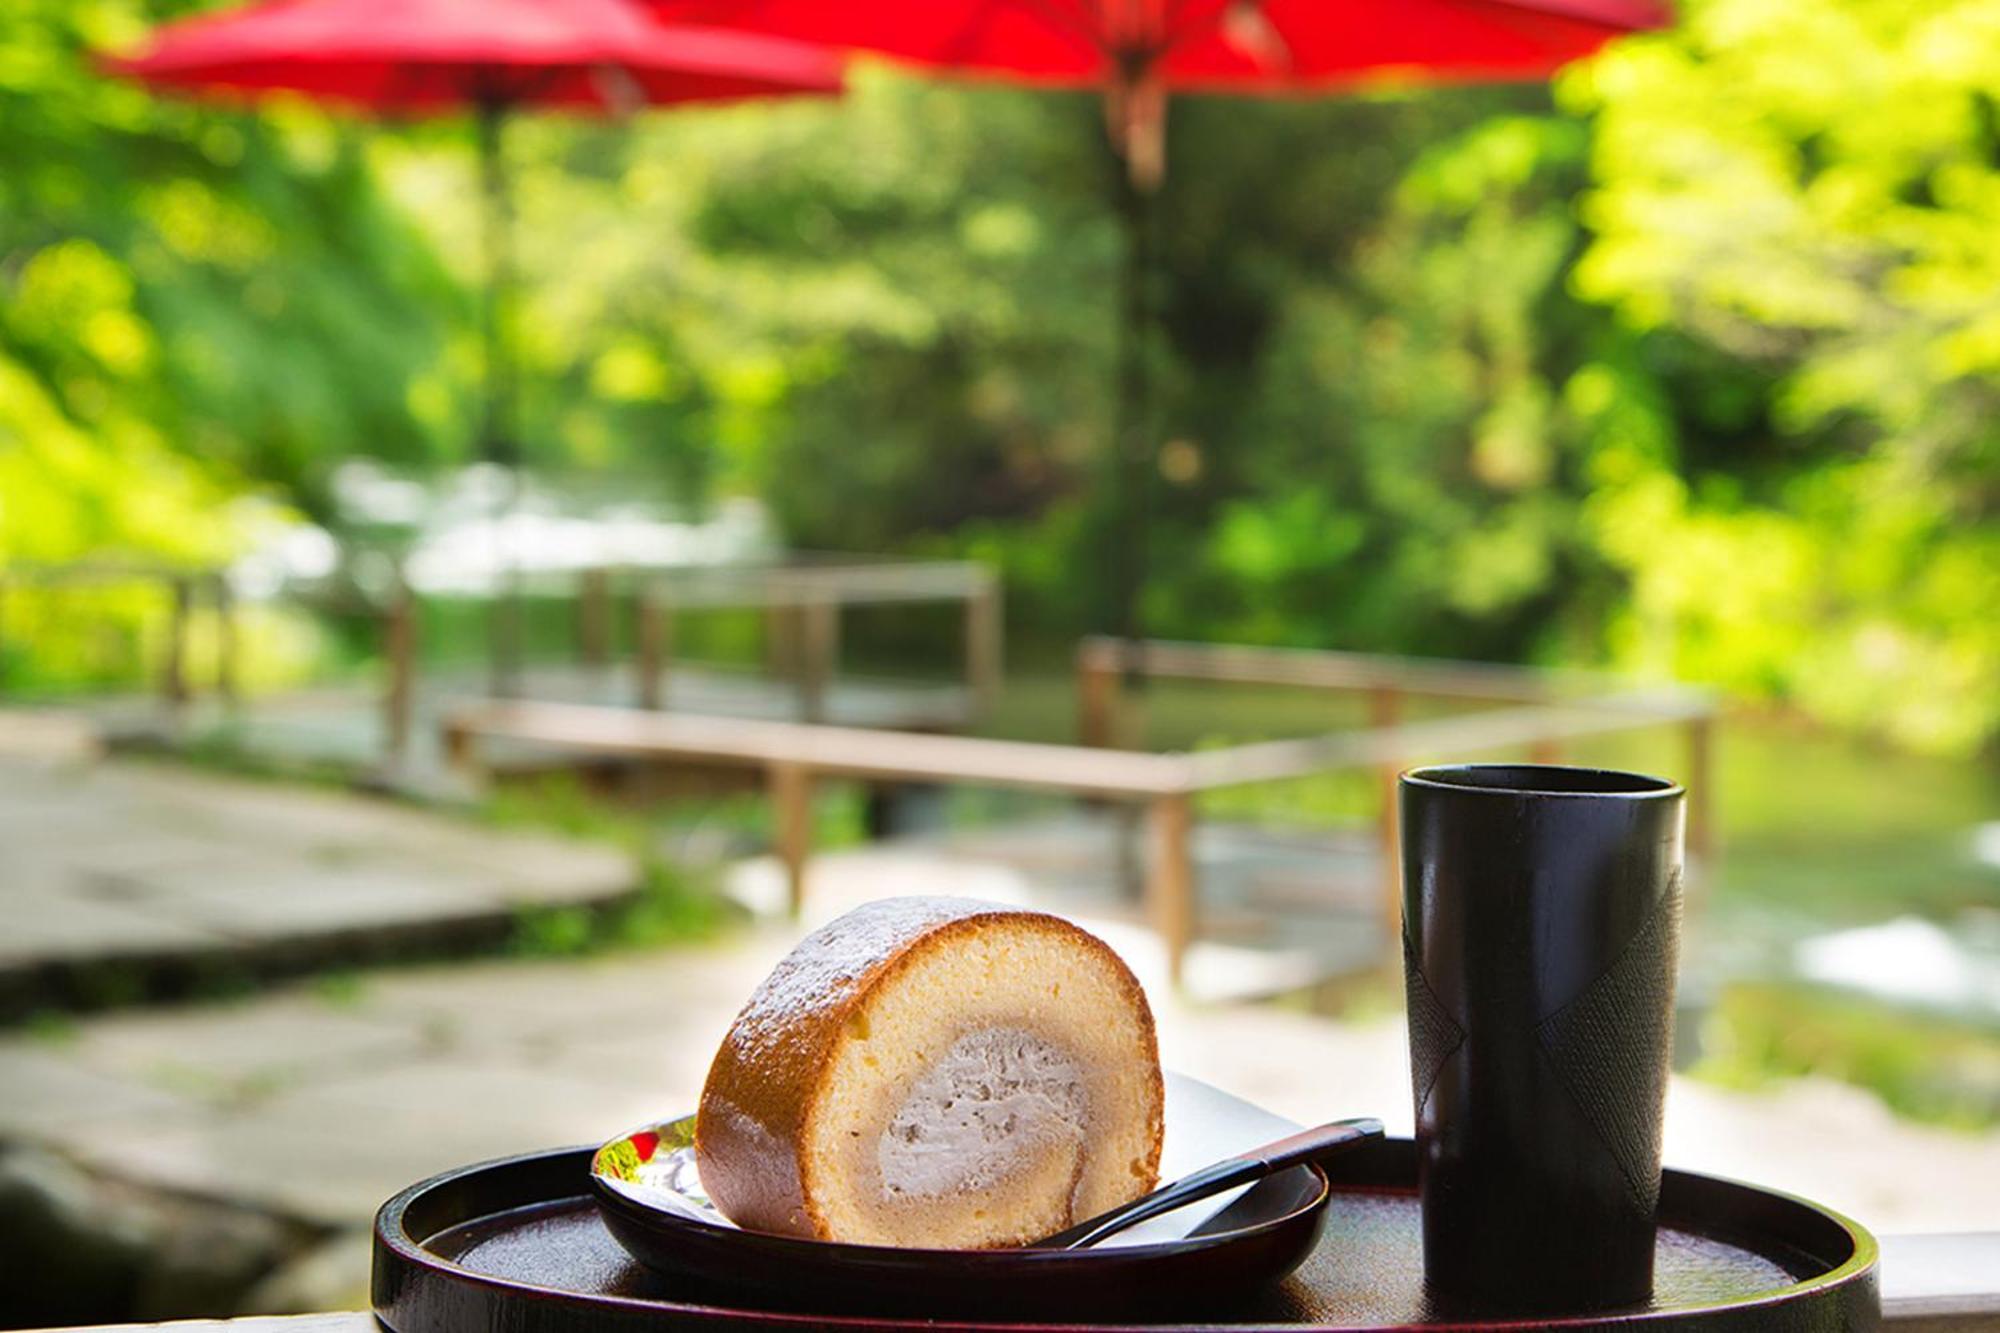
x,y
1867,1250
392,1236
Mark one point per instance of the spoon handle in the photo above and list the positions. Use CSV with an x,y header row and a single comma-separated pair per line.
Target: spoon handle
x,y
1309,1145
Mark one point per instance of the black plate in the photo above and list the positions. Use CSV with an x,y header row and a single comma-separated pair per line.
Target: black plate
x,y
521,1245
1260,1237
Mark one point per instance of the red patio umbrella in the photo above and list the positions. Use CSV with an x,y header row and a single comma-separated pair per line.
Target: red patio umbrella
x,y
429,57
1139,52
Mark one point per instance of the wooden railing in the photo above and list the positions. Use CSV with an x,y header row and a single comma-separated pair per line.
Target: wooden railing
x,y
803,605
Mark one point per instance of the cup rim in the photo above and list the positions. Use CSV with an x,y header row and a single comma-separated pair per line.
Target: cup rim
x,y
1638,786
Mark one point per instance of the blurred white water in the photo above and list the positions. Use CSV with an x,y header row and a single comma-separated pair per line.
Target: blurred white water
x,y
1908,961
465,533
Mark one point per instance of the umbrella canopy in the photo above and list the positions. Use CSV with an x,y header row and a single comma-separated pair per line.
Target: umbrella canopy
x,y
427,57
439,56
1139,52
1216,44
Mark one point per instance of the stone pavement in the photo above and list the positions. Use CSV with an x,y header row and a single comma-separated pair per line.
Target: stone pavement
x,y
317,1103
148,866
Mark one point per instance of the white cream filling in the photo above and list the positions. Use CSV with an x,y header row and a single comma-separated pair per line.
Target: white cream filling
x,y
997,1096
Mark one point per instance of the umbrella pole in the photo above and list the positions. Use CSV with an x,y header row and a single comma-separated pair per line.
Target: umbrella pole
x,y
1130,519
1131,529
1135,111
496,442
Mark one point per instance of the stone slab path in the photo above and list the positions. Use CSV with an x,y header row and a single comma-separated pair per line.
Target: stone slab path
x,y
106,863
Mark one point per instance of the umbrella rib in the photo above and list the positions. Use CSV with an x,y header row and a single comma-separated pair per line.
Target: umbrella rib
x,y
1165,36
1173,31
1592,12
542,79
399,74
1513,19
1076,20
961,49
1175,10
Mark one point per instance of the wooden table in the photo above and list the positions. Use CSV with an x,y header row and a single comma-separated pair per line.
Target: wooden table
x,y
1930,1284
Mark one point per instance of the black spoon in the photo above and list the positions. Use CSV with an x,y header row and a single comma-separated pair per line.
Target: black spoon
x,y
1308,1145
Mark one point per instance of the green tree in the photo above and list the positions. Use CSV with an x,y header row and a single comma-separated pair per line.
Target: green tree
x,y
1810,191
892,318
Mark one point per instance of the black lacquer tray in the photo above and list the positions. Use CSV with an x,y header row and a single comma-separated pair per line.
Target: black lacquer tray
x,y
519,1245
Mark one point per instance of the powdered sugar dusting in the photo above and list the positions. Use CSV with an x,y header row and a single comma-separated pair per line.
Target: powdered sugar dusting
x,y
831,963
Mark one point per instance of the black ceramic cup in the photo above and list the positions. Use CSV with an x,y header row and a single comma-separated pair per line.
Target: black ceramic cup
x,y
1541,933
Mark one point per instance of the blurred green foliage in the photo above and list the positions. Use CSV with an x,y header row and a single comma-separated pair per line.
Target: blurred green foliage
x,y
670,906
196,300
1924,1068
1811,191
201,312
1686,369
673,902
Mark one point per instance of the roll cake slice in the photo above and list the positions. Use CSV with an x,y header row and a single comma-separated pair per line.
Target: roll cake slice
x,y
935,1072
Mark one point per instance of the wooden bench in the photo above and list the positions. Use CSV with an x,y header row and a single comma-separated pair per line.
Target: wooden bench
x,y
793,755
